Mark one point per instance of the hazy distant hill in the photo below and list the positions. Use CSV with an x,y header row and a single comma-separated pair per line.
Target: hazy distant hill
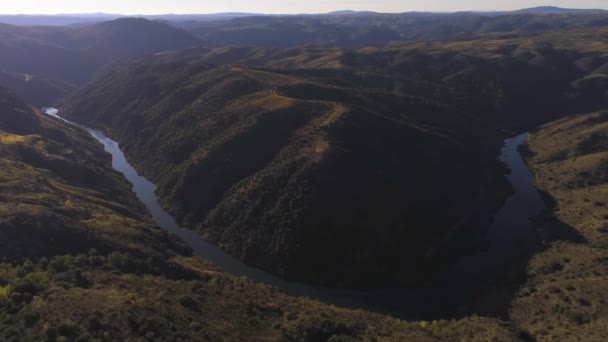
x,y
107,41
71,19
366,28
347,12
45,63
55,20
178,19
126,37
198,17
67,56
559,10
293,31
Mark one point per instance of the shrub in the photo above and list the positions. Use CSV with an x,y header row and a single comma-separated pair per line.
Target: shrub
x,y
32,283
189,302
58,265
5,292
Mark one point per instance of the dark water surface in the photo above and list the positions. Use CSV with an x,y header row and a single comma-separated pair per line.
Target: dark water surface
x,y
438,301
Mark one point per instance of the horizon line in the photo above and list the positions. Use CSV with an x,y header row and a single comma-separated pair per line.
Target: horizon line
x,y
300,13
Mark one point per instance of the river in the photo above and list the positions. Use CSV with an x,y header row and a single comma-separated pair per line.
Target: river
x,y
463,279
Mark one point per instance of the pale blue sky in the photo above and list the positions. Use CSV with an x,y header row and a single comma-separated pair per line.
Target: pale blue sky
x,y
275,6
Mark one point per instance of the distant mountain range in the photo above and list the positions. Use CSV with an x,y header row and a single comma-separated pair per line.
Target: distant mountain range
x,y
84,18
559,10
44,63
76,53
72,19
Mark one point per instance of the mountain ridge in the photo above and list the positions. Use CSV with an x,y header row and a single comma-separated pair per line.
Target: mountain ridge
x,y
561,10
81,18
44,64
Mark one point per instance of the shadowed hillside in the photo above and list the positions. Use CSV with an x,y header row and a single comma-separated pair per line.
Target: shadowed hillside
x,y
59,59
81,260
360,29
353,150
47,63
559,10
322,164
510,81
336,180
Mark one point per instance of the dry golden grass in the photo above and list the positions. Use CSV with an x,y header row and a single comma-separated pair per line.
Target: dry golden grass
x,y
272,102
571,168
11,139
338,111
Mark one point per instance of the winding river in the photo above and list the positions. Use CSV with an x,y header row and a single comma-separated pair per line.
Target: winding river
x,y
441,300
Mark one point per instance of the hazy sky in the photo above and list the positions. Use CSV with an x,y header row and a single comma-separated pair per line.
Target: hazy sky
x,y
275,6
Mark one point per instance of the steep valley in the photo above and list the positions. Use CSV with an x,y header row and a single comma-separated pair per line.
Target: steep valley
x,y
45,64
254,158
307,163
81,260
350,155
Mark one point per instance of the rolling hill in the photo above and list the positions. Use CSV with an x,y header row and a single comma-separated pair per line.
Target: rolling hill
x,y
278,156
367,28
82,260
351,150
560,10
270,152
60,59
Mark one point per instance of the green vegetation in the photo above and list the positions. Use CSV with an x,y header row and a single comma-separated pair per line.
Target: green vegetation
x,y
315,171
327,164
374,29
356,162
92,297
564,296
60,191
80,261
79,51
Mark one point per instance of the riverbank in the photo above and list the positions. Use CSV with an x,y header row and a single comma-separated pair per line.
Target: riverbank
x,y
564,295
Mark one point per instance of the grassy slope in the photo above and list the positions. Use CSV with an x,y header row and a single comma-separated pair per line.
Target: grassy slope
x,y
565,294
57,191
505,79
